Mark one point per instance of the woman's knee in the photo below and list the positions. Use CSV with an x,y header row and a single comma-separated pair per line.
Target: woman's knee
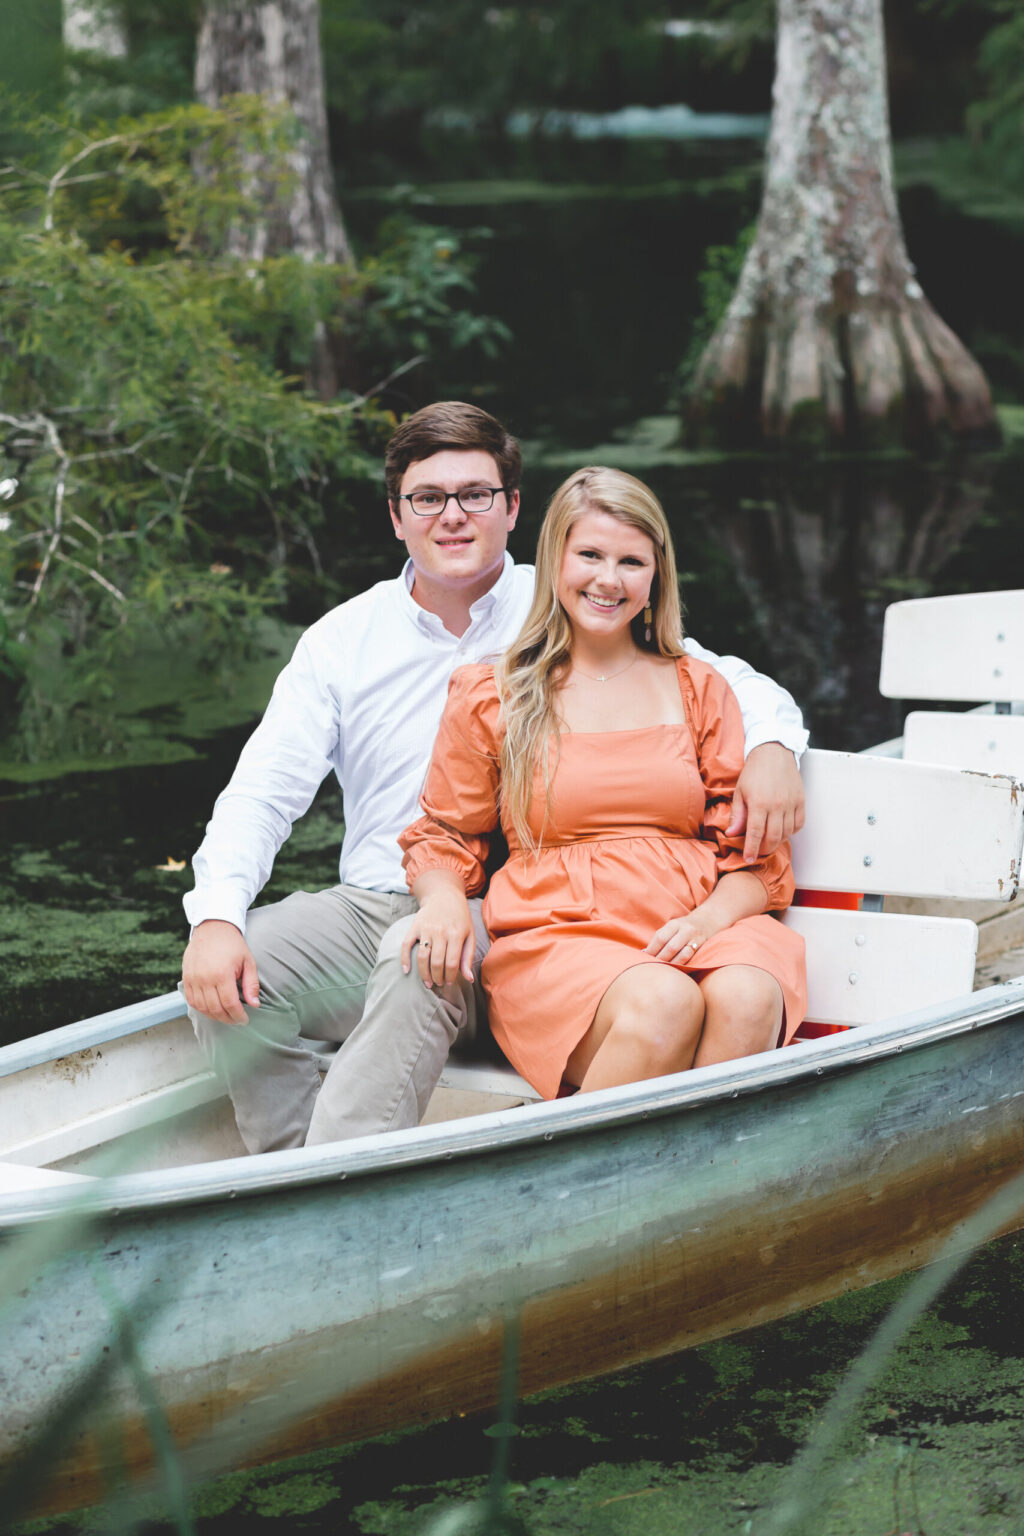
x,y
745,1000
657,1007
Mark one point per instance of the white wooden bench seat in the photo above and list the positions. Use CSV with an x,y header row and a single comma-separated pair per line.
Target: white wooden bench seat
x,y
968,647
887,827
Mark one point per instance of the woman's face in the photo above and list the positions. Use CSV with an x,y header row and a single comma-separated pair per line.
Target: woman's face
x,y
607,571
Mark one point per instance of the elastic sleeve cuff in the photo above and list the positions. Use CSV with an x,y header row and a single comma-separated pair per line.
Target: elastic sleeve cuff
x,y
471,879
778,887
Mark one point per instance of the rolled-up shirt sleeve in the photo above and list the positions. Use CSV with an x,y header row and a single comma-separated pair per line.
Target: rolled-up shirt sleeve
x,y
769,712
461,793
718,727
280,769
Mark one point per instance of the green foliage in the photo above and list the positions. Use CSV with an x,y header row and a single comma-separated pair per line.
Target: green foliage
x,y
998,121
394,72
717,283
172,466
995,123
384,59
155,71
387,60
419,282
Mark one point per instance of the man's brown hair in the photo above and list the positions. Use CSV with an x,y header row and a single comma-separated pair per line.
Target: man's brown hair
x,y
450,424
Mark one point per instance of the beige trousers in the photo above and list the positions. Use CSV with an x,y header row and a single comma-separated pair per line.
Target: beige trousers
x,y
329,969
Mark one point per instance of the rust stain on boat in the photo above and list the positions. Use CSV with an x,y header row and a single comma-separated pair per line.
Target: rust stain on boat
x,y
677,1289
79,1064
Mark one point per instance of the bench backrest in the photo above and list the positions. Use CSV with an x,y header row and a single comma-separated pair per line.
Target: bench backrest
x,y
969,647
908,829
889,827
988,743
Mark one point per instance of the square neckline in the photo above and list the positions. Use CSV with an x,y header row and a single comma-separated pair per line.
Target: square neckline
x,y
636,730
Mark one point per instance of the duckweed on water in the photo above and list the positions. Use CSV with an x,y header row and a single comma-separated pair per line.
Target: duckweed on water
x,y
94,921
302,1494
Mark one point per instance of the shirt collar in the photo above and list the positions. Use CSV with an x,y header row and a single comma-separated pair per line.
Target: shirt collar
x,y
493,601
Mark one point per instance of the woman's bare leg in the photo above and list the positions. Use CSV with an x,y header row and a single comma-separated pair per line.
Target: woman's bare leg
x,y
648,1023
743,1008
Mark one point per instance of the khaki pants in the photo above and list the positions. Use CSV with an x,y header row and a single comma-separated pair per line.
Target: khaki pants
x,y
329,969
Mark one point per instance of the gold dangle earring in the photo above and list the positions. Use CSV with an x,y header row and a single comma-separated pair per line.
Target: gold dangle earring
x,y
648,616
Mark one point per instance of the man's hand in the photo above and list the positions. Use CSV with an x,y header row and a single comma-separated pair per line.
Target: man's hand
x,y
768,803
219,964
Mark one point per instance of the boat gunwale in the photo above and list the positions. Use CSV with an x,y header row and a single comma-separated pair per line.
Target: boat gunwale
x,y
102,1028
498,1131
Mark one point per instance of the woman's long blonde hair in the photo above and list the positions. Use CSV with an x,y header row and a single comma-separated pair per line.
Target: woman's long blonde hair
x,y
529,672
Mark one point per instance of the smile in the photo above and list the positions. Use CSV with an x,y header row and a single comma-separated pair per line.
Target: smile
x,y
605,603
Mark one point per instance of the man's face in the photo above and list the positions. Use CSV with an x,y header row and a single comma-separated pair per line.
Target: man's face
x,y
455,549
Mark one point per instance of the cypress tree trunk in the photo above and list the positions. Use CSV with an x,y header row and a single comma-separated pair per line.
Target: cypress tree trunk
x,y
829,338
272,49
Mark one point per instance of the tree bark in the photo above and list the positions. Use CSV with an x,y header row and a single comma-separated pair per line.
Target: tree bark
x,y
829,338
92,26
272,49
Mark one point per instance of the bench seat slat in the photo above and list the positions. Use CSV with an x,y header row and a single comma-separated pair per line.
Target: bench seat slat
x,y
867,966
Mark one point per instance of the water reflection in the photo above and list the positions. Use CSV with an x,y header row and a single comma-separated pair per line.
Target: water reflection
x,y
820,555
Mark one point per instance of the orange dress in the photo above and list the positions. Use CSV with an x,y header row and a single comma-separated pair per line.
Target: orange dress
x,y
635,835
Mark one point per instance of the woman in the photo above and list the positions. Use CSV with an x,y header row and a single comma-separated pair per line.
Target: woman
x,y
629,939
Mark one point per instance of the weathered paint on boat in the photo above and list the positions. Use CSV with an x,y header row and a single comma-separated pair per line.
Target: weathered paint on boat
x,y
309,1297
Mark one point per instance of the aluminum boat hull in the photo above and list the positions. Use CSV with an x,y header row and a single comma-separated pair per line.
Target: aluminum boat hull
x,y
310,1297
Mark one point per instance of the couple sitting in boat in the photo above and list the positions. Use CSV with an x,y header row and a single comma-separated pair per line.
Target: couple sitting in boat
x,y
628,927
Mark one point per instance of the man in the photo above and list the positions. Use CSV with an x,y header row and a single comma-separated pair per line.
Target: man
x,y
363,695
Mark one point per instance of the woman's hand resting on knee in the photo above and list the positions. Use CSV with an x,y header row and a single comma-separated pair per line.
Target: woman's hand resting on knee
x,y
736,895
679,938
442,930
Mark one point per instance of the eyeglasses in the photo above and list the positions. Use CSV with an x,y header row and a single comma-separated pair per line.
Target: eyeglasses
x,y
472,498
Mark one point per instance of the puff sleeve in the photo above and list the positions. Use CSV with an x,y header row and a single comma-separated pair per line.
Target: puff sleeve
x,y
460,797
718,732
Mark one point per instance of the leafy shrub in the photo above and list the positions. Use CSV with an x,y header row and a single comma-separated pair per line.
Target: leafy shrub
x,y
171,461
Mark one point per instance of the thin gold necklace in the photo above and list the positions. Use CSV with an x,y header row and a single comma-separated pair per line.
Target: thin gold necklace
x,y
608,675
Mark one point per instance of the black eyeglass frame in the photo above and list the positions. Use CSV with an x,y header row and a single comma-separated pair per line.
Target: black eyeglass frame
x,y
466,490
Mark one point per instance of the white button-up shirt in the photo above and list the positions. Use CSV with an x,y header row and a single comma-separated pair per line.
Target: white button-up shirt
x,y
363,695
